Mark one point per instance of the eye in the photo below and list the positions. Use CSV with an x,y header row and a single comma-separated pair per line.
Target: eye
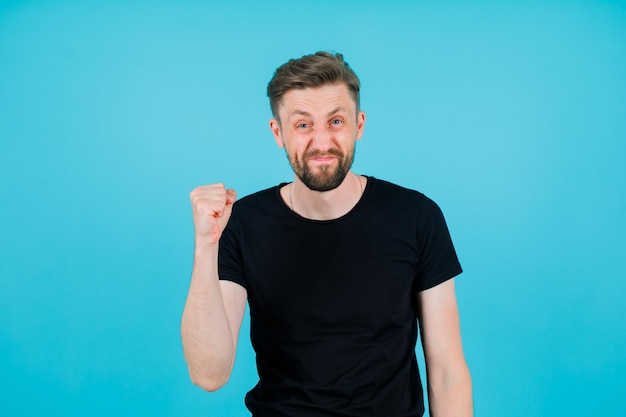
x,y
336,122
302,125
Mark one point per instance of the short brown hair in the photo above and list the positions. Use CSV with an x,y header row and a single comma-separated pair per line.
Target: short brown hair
x,y
312,71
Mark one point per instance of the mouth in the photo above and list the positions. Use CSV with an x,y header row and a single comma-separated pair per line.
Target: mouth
x,y
323,159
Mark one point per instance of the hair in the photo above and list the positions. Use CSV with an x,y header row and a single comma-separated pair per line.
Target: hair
x,y
312,71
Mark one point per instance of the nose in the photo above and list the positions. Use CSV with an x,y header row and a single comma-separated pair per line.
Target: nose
x,y
322,138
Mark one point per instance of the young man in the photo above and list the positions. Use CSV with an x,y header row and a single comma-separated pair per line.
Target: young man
x,y
338,270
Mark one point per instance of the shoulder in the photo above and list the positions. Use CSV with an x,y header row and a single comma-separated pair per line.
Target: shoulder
x,y
259,199
255,207
390,193
403,206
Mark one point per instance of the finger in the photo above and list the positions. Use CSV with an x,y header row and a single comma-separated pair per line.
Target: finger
x,y
231,196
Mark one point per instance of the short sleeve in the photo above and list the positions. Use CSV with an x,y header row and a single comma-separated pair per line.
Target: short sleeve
x,y
230,262
438,261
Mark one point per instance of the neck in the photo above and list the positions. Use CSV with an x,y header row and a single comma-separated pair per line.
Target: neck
x,y
326,205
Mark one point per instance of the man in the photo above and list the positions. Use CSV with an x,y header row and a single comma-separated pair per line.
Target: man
x,y
337,268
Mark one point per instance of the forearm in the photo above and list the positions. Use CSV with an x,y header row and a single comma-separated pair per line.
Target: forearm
x,y
206,333
450,393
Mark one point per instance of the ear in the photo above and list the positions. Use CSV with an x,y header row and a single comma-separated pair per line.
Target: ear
x,y
360,124
275,128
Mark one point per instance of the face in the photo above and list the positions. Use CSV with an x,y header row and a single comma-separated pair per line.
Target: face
x,y
318,128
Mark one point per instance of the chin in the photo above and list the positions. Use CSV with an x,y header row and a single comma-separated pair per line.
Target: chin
x,y
324,181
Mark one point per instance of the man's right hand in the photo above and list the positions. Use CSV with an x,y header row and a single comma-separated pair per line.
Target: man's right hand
x,y
212,206
214,309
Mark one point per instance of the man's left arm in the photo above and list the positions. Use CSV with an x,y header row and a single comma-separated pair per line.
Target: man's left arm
x,y
449,381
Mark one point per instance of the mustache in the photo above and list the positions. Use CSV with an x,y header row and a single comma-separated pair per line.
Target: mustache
x,y
320,154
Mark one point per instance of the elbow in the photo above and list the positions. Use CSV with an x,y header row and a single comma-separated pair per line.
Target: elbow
x,y
208,383
210,374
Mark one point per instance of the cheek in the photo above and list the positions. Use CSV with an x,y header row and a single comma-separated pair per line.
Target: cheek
x,y
297,143
292,150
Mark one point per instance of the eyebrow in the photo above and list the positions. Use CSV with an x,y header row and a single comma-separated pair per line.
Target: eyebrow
x,y
307,114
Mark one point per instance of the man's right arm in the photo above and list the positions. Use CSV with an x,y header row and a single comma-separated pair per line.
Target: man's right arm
x,y
214,309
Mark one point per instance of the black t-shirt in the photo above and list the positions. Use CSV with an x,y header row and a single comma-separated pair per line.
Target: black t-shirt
x,y
332,303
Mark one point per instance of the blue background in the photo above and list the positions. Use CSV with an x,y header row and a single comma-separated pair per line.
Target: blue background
x,y
512,117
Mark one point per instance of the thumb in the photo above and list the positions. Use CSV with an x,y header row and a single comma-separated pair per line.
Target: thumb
x,y
231,196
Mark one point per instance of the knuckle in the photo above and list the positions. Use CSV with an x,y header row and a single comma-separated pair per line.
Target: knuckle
x,y
212,197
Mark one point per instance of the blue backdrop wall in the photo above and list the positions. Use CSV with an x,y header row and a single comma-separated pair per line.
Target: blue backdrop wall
x,y
512,117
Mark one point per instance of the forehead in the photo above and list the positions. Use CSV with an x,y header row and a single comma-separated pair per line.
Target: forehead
x,y
317,100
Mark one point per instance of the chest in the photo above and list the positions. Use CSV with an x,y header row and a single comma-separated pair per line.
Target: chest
x,y
352,275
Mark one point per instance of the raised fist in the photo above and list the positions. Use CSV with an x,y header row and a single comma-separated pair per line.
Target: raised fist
x,y
212,206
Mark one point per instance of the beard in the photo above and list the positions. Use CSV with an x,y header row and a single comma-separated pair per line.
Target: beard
x,y
329,177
